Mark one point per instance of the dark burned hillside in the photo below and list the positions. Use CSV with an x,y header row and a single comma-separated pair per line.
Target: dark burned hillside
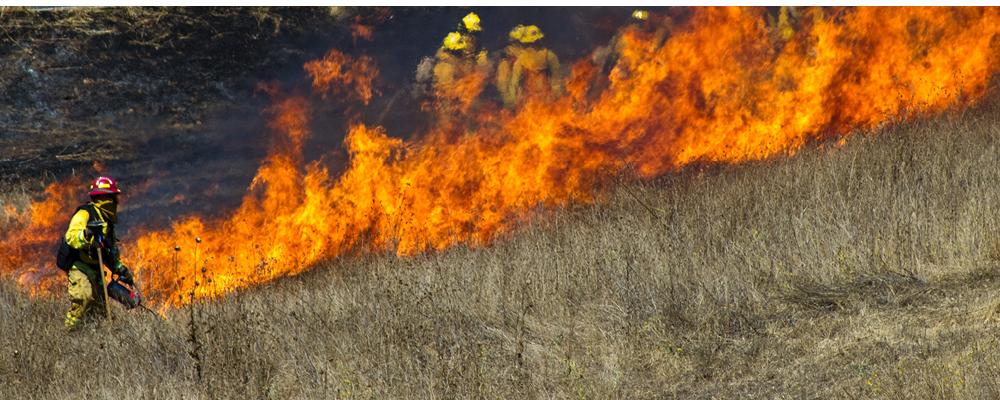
x,y
80,85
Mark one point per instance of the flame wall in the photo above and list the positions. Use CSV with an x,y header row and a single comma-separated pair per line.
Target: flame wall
x,y
721,89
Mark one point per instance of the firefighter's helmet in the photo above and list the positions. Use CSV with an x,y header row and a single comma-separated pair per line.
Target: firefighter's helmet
x,y
640,15
471,22
455,41
515,34
526,34
104,185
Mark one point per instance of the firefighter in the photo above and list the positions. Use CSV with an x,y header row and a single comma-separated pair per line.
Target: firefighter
x,y
652,29
655,29
470,28
451,83
527,67
460,47
457,58
507,57
92,228
782,26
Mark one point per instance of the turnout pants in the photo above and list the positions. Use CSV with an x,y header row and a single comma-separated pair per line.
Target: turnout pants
x,y
85,296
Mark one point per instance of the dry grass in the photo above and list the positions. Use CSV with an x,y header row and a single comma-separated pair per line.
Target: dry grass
x,y
868,271
17,198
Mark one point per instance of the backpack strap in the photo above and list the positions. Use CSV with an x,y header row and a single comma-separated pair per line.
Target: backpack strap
x,y
94,216
110,238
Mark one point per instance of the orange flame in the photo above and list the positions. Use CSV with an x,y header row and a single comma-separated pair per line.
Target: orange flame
x,y
337,70
362,31
718,90
29,252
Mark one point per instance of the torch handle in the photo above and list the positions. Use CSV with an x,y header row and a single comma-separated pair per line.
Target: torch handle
x,y
100,270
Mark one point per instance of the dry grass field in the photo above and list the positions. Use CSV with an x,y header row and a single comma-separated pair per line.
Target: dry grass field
x,y
866,271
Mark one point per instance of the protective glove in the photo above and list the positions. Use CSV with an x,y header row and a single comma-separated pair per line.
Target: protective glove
x,y
94,229
124,275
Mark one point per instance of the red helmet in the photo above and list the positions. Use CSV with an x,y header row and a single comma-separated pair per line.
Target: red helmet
x,y
104,185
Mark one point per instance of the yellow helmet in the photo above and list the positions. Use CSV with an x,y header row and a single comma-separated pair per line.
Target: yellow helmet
x,y
516,33
455,41
640,15
471,22
526,34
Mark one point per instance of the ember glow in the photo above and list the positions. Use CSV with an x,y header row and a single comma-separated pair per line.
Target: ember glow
x,y
718,90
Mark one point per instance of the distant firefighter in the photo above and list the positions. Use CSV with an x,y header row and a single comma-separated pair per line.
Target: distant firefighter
x,y
461,44
470,28
651,28
655,28
527,67
457,74
782,25
89,238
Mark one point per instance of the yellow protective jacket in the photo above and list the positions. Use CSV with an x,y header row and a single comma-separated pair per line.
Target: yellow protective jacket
x,y
502,81
76,238
532,70
459,79
452,67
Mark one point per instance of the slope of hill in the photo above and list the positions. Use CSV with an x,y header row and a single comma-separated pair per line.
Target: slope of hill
x,y
863,271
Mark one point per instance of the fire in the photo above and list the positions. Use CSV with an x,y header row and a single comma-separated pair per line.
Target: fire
x,y
30,251
337,71
718,90
464,91
362,31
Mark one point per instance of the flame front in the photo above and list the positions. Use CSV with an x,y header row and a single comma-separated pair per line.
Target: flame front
x,y
716,91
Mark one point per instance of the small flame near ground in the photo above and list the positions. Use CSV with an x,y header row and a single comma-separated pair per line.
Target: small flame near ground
x,y
719,90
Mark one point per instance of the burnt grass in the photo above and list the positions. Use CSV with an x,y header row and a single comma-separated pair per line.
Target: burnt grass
x,y
863,271
85,84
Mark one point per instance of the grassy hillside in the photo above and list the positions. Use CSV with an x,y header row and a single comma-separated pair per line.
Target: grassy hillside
x,y
867,271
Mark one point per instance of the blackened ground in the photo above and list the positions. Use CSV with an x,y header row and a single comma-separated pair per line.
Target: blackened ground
x,y
96,84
